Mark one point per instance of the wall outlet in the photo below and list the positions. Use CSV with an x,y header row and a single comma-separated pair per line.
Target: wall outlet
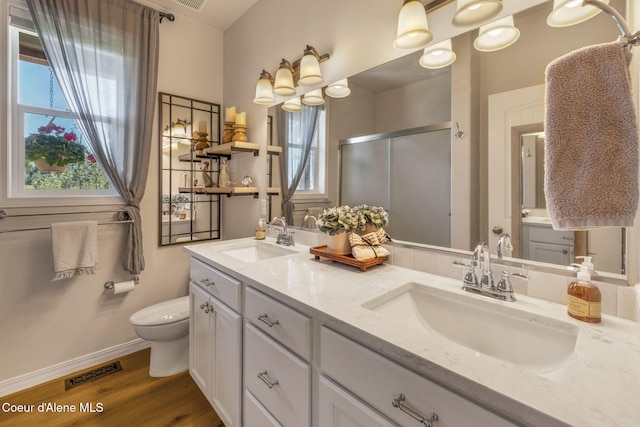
x,y
263,206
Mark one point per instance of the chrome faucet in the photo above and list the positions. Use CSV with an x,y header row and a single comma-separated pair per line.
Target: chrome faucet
x,y
308,217
504,242
284,237
481,260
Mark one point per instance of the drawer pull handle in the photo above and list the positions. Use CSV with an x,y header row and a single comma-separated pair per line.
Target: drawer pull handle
x,y
207,282
428,422
264,318
265,379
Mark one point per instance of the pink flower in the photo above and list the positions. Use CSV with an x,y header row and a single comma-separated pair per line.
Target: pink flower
x,y
69,136
91,158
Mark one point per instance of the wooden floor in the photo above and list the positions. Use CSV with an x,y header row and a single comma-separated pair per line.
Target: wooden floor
x,y
129,397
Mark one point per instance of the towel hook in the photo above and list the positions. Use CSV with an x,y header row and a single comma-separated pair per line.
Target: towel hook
x,y
459,134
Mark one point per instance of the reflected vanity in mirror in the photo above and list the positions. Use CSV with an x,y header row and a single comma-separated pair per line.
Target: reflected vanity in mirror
x,y
485,190
188,211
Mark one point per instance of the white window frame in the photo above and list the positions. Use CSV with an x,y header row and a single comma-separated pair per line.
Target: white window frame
x,y
13,193
320,148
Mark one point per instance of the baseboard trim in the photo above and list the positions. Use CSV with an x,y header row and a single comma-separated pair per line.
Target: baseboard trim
x,y
21,382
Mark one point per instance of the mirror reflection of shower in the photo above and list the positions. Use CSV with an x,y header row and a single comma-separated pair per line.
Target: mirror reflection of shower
x,y
532,150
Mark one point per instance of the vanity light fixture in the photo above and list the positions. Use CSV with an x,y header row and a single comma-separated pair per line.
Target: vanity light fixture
x,y
571,12
283,85
474,12
313,98
339,89
305,71
413,30
264,91
438,56
292,105
310,74
497,35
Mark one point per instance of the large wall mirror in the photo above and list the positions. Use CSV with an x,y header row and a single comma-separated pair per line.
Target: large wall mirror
x,y
486,189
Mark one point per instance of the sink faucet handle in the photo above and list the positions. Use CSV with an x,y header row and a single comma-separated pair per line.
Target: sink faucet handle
x,y
504,285
470,277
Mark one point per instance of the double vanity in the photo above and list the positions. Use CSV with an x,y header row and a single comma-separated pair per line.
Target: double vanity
x,y
278,338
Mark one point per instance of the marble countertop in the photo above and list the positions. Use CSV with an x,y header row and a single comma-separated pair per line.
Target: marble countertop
x,y
600,387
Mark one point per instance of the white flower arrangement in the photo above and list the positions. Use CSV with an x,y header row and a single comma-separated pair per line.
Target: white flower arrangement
x,y
373,215
340,219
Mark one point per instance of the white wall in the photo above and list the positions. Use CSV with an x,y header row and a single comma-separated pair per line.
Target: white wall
x,y
43,323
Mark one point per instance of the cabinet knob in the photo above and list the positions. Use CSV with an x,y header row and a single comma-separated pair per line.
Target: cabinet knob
x,y
498,229
206,307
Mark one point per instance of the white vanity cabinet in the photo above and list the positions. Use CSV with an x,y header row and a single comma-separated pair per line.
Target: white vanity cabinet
x,y
540,242
397,393
215,340
277,368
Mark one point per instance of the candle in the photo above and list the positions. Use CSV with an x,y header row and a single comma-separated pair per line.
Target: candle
x,y
202,126
231,114
241,118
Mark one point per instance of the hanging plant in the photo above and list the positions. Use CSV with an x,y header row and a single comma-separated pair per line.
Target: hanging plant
x,y
54,147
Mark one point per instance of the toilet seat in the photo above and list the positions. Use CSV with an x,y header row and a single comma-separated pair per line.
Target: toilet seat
x,y
163,313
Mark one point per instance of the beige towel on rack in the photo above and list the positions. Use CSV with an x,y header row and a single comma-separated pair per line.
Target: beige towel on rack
x,y
591,139
74,246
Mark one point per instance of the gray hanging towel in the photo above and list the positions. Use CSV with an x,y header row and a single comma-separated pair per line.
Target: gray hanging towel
x,y
591,139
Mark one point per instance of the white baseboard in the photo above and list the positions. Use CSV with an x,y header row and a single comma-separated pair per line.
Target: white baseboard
x,y
21,382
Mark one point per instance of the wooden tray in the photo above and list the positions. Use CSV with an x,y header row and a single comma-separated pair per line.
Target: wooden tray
x,y
321,251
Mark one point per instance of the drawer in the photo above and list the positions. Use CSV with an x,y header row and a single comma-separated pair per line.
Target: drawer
x,y
549,235
379,382
280,380
216,283
255,414
279,321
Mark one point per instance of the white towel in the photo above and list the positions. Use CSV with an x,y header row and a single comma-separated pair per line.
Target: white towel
x,y
591,139
74,247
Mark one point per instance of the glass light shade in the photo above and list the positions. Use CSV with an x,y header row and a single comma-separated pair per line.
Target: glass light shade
x,y
474,12
313,98
264,93
310,74
339,89
292,105
571,12
283,85
437,56
497,35
413,30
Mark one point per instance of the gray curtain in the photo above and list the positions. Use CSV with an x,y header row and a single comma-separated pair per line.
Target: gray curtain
x,y
297,130
105,57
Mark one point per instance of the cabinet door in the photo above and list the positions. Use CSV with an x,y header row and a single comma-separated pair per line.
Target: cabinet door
x,y
200,338
226,358
551,253
339,408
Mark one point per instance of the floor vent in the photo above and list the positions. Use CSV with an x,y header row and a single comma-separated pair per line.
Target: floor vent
x,y
192,4
93,374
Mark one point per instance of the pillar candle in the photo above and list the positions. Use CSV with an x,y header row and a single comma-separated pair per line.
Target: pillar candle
x,y
241,118
231,114
202,126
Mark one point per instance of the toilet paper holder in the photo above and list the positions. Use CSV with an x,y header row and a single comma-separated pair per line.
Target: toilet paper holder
x,y
110,284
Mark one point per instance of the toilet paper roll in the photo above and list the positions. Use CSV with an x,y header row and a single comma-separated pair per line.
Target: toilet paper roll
x,y
122,287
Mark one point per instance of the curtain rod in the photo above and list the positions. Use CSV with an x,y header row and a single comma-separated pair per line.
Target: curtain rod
x,y
3,214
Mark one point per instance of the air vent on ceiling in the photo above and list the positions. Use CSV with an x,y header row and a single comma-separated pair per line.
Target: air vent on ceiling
x,y
192,4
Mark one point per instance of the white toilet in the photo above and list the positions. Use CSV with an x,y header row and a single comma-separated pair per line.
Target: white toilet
x,y
166,326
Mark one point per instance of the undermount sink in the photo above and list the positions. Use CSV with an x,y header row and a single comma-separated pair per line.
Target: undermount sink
x,y
255,251
536,343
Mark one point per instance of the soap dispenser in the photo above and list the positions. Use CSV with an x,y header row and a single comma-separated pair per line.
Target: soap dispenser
x,y
584,301
261,229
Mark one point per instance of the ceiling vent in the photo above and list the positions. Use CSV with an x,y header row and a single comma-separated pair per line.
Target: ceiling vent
x,y
192,4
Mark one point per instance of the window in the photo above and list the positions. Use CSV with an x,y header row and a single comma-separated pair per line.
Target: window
x,y
313,181
48,157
